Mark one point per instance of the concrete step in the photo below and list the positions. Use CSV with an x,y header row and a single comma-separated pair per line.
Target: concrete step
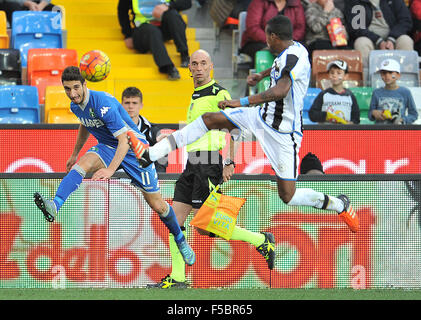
x,y
108,33
118,46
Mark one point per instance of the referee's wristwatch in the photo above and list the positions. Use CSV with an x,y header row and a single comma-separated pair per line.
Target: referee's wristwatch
x,y
228,162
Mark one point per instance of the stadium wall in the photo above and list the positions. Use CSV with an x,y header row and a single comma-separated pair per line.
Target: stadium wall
x,y
342,149
106,236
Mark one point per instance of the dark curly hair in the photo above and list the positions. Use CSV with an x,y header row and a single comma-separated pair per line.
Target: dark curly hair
x,y
72,73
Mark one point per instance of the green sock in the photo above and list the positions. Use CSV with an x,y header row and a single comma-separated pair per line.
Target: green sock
x,y
254,238
178,272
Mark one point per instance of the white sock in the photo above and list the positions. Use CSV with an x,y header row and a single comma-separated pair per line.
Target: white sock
x,y
182,137
160,149
312,198
190,133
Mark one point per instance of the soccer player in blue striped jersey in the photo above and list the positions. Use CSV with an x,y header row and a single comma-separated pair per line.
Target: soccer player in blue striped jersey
x,y
105,118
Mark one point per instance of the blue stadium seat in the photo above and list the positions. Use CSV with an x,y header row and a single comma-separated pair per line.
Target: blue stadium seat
x,y
312,93
19,104
33,29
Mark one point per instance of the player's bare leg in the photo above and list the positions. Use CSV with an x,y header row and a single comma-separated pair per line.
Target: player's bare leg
x,y
167,216
308,197
177,278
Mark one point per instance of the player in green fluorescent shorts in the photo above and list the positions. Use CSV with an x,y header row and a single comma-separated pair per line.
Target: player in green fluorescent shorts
x,y
205,168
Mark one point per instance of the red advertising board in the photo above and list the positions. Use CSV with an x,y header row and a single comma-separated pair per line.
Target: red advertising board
x,y
340,151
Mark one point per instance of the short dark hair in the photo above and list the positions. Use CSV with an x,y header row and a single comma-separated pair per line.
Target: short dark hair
x,y
281,26
72,73
132,92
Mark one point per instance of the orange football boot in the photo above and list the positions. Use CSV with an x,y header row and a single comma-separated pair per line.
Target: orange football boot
x,y
349,215
140,149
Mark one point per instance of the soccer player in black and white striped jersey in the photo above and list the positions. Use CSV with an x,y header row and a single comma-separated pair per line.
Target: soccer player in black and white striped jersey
x,y
276,122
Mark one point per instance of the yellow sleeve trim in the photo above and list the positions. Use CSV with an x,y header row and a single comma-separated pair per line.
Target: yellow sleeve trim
x,y
292,75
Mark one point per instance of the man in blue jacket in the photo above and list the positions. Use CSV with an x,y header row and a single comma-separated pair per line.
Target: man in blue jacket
x,y
378,25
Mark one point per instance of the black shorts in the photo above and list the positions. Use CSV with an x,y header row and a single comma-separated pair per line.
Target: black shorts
x,y
193,187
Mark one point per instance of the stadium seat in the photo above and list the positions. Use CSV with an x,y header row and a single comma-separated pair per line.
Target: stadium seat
x,y
19,104
416,94
33,29
408,61
63,116
10,67
237,35
57,106
45,67
4,37
322,57
363,96
62,10
264,60
312,93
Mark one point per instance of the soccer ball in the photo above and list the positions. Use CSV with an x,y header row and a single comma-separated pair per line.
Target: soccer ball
x,y
95,65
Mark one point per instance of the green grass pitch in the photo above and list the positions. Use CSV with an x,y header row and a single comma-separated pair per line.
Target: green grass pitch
x,y
209,294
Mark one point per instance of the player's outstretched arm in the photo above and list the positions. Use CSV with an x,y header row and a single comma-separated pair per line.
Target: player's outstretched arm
x,y
254,78
275,93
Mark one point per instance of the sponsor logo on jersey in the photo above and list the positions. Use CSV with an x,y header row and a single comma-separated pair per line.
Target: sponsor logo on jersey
x,y
237,111
276,72
91,122
104,110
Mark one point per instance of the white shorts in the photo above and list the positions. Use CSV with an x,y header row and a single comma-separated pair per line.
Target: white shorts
x,y
280,148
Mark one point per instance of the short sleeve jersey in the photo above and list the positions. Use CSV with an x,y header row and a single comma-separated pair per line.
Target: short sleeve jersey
x,y
105,118
285,115
205,99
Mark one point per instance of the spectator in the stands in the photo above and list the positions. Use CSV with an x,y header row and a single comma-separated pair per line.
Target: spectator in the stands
x,y
132,102
340,4
392,103
306,3
259,12
239,6
318,16
10,6
416,18
336,104
378,24
148,27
